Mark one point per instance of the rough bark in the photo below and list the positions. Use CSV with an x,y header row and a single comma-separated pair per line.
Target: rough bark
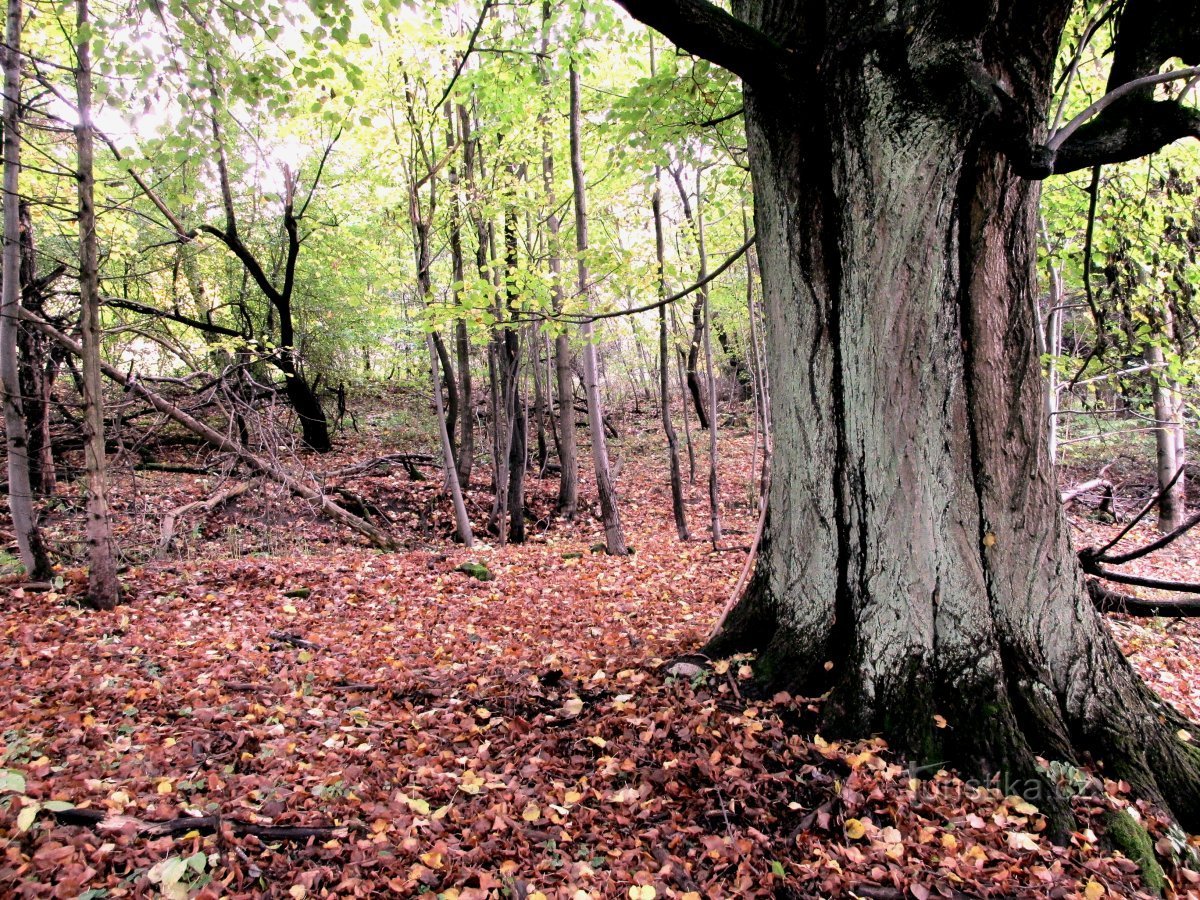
x,y
20,492
916,563
103,590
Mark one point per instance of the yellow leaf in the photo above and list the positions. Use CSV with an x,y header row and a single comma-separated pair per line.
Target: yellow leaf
x,y
989,540
165,787
531,813
536,895
855,829
291,611
940,721
298,891
1094,890
433,859
573,707
642,892
721,666
482,712
1184,735
1019,840
572,797
417,804
1026,809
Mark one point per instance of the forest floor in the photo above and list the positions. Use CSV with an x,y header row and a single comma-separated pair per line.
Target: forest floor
x,y
517,737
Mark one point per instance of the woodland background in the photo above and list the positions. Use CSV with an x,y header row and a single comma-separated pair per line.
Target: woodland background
x,y
337,247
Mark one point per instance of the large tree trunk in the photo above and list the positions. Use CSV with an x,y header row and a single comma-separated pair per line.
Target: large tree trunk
x,y
916,562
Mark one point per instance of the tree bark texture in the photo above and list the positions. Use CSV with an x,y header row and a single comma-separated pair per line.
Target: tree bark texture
x,y
916,563
20,492
610,513
104,590
678,511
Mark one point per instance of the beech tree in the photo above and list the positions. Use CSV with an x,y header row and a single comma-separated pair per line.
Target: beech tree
x,y
916,564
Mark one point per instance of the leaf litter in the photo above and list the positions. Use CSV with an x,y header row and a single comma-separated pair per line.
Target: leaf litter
x,y
549,732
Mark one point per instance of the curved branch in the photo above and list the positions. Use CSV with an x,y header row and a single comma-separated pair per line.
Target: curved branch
x,y
1060,137
705,30
144,309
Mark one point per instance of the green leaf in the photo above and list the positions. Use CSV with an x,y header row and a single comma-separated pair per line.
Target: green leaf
x,y
12,781
58,805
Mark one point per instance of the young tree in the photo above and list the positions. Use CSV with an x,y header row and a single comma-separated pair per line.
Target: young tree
x,y
20,493
614,535
917,565
104,590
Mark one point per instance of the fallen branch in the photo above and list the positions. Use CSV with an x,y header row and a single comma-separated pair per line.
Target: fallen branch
x,y
377,536
167,532
102,820
1108,600
1099,483
293,639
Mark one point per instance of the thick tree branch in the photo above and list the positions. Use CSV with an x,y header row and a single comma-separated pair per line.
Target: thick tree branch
x,y
134,306
707,31
1129,129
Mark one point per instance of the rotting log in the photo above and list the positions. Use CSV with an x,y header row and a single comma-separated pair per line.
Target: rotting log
x,y
377,536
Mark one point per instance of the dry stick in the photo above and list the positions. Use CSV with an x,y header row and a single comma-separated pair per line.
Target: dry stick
x,y
167,532
1098,553
1152,546
1107,600
377,536
102,820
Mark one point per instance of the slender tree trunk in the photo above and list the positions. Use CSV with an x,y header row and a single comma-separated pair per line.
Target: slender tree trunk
x,y
1051,347
461,520
698,312
104,590
714,485
664,368
20,493
462,346
449,384
510,368
38,364
614,536
568,448
539,400
687,425
917,564
1168,435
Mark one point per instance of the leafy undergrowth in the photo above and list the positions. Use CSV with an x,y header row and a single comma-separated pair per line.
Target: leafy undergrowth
x,y
522,736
